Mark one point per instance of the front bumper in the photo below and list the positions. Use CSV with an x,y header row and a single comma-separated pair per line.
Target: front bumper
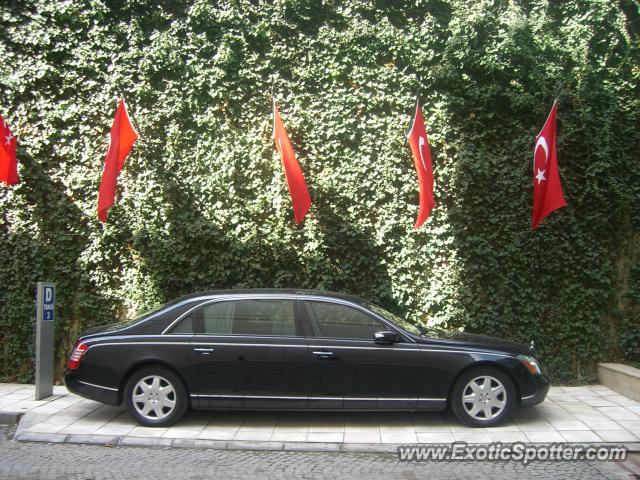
x,y
89,390
542,385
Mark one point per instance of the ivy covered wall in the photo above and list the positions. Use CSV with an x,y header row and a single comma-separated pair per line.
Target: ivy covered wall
x,y
203,204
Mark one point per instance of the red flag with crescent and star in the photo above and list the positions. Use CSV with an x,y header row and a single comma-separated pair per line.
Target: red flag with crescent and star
x,y
295,179
547,190
419,144
8,159
121,140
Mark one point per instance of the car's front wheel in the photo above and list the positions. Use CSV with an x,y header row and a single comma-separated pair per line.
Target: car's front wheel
x,y
156,397
483,397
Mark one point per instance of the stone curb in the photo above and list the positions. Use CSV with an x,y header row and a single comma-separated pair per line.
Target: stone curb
x,y
199,443
41,437
311,447
238,444
10,418
145,442
249,445
91,439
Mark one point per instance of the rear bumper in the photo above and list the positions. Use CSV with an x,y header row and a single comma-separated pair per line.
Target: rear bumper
x,y
89,390
542,386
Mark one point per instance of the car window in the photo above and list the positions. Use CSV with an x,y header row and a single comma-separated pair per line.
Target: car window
x,y
339,321
241,317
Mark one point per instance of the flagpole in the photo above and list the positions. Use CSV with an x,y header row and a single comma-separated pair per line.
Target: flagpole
x,y
273,107
559,91
406,135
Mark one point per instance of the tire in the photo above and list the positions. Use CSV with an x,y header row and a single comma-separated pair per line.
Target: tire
x,y
162,402
477,407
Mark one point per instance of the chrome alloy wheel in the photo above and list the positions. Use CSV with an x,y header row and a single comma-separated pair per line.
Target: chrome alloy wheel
x,y
154,397
484,398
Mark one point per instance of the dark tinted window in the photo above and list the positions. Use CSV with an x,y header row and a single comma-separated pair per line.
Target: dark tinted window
x,y
241,317
339,321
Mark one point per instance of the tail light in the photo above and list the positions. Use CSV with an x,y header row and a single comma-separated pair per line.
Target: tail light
x,y
78,352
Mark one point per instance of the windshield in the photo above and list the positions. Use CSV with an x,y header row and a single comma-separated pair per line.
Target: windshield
x,y
401,322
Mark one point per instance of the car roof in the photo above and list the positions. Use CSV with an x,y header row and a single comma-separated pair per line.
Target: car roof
x,y
270,291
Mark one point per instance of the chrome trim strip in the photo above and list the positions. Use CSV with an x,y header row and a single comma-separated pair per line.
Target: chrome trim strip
x,y
386,348
98,386
343,347
249,397
198,343
471,352
527,397
276,397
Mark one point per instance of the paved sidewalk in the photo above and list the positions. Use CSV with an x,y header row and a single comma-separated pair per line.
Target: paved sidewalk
x,y
590,414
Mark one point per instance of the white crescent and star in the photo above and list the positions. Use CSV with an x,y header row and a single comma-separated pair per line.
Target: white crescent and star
x,y
8,139
421,144
542,142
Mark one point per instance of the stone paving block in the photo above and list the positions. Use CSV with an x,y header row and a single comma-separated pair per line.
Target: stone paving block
x,y
580,436
80,429
601,423
619,413
435,437
198,443
249,445
398,437
182,433
368,447
616,435
41,437
506,437
478,436
45,428
568,425
93,439
361,436
288,437
325,437
140,431
9,418
311,447
544,437
218,433
259,435
145,442
118,431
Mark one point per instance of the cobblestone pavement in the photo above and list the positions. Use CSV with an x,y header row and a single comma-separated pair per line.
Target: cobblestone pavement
x,y
34,461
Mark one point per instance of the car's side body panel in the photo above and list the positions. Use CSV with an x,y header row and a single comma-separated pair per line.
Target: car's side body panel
x,y
301,371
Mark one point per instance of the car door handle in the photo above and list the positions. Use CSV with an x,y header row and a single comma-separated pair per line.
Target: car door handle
x,y
323,354
203,351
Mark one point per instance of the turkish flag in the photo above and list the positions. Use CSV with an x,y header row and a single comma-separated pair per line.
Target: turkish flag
x,y
419,144
292,171
121,140
547,190
8,159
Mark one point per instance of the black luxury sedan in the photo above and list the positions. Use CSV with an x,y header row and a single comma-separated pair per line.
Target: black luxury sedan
x,y
297,350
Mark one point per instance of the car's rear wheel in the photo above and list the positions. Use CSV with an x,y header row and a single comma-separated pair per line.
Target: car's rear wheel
x,y
483,397
156,397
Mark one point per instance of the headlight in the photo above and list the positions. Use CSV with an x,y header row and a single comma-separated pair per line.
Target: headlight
x,y
530,364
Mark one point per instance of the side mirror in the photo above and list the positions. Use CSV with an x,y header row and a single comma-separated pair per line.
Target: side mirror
x,y
385,337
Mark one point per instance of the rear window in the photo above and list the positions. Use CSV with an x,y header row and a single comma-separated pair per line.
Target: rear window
x,y
241,317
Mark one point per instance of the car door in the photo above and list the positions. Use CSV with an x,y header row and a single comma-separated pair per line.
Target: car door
x,y
246,353
348,369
